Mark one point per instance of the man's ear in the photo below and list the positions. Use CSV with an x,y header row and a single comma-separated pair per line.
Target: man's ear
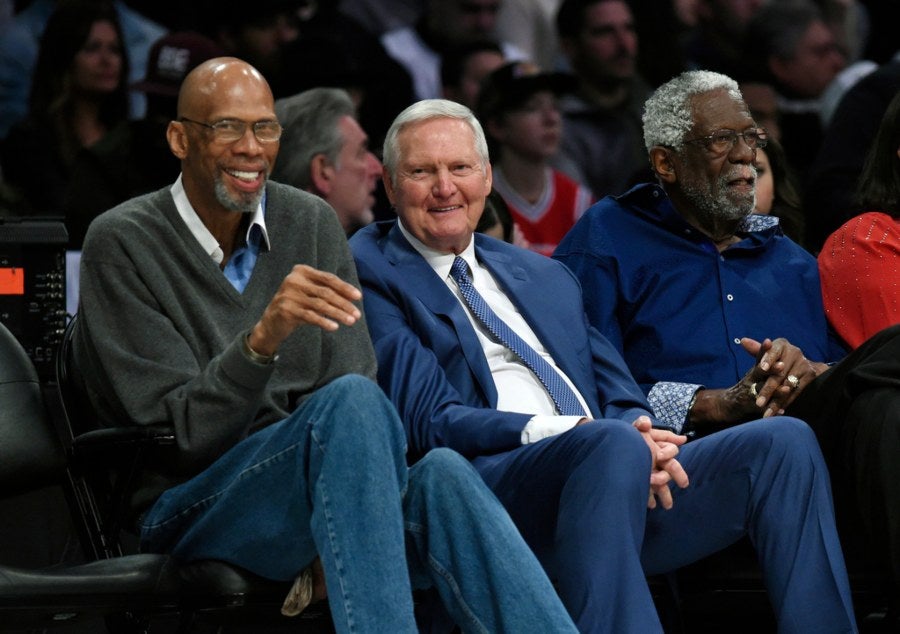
x,y
177,138
661,164
321,173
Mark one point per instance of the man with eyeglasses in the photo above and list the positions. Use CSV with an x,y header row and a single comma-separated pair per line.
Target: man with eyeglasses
x,y
484,348
719,315
227,306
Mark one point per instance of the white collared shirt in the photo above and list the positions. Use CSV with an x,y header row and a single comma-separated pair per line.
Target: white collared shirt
x,y
518,389
203,235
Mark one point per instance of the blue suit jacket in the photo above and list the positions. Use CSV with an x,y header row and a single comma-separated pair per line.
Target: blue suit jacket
x,y
431,364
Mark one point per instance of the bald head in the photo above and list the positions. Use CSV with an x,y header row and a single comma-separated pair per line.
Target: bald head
x,y
219,78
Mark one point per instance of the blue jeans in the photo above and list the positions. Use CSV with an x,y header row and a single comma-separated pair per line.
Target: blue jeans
x,y
331,479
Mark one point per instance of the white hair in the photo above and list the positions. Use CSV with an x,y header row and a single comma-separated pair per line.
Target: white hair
x,y
431,109
668,115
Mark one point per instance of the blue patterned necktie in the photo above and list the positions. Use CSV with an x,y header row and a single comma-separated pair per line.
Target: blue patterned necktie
x,y
565,399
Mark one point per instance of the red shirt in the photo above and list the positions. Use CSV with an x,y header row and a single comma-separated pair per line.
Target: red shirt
x,y
859,267
544,223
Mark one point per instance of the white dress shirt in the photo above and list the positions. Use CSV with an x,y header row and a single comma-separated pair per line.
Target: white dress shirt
x,y
518,389
203,235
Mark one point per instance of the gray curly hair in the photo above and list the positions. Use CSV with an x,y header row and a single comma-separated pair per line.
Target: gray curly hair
x,y
668,115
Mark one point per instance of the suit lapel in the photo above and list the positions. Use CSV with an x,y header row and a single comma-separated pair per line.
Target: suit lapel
x,y
437,298
540,306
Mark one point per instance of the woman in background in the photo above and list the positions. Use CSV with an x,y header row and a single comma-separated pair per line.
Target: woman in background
x,y
776,190
859,264
78,94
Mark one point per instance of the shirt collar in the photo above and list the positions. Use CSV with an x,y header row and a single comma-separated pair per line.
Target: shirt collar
x,y
206,239
437,260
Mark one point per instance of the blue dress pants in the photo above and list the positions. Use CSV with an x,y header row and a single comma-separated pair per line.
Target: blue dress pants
x,y
580,501
331,479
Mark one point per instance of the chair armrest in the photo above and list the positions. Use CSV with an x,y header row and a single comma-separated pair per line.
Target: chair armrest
x,y
105,448
134,435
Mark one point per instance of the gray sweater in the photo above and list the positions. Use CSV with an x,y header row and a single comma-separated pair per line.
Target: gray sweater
x,y
160,327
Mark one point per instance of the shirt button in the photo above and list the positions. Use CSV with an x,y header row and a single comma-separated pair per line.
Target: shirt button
x,y
737,340
730,297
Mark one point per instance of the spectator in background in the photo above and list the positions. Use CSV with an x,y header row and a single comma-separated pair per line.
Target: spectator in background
x,y
531,26
519,112
378,16
134,158
715,40
762,100
791,47
325,151
444,25
19,42
828,198
78,94
336,51
859,264
463,70
777,193
258,36
601,143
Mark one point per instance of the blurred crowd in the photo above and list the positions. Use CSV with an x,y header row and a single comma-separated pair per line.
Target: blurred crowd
x,y
87,88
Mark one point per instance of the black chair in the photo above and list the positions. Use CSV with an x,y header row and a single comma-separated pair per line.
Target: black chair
x,y
95,467
31,457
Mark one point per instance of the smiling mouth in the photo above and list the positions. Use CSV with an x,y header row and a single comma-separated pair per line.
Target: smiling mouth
x,y
243,175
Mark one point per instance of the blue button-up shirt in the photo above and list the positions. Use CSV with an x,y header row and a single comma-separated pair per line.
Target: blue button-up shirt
x,y
676,308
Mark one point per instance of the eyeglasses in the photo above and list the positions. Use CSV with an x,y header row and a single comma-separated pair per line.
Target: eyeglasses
x,y
232,130
722,141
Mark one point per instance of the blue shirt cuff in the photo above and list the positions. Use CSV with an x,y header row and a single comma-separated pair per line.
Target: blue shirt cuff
x,y
671,401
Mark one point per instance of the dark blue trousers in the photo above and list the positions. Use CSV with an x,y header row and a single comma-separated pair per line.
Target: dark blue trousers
x,y
580,501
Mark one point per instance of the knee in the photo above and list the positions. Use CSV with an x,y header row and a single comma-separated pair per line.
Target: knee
x,y
792,432
443,479
444,468
783,436
622,441
613,450
351,388
355,409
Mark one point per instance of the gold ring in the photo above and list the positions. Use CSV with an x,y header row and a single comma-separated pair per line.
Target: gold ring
x,y
793,381
753,391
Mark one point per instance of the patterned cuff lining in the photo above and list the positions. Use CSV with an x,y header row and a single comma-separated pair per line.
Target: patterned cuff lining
x,y
670,403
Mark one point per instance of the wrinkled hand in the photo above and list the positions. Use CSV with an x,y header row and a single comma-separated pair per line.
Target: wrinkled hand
x,y
780,374
306,296
663,446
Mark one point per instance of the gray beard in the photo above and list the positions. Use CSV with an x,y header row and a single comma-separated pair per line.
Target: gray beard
x,y
718,206
245,203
